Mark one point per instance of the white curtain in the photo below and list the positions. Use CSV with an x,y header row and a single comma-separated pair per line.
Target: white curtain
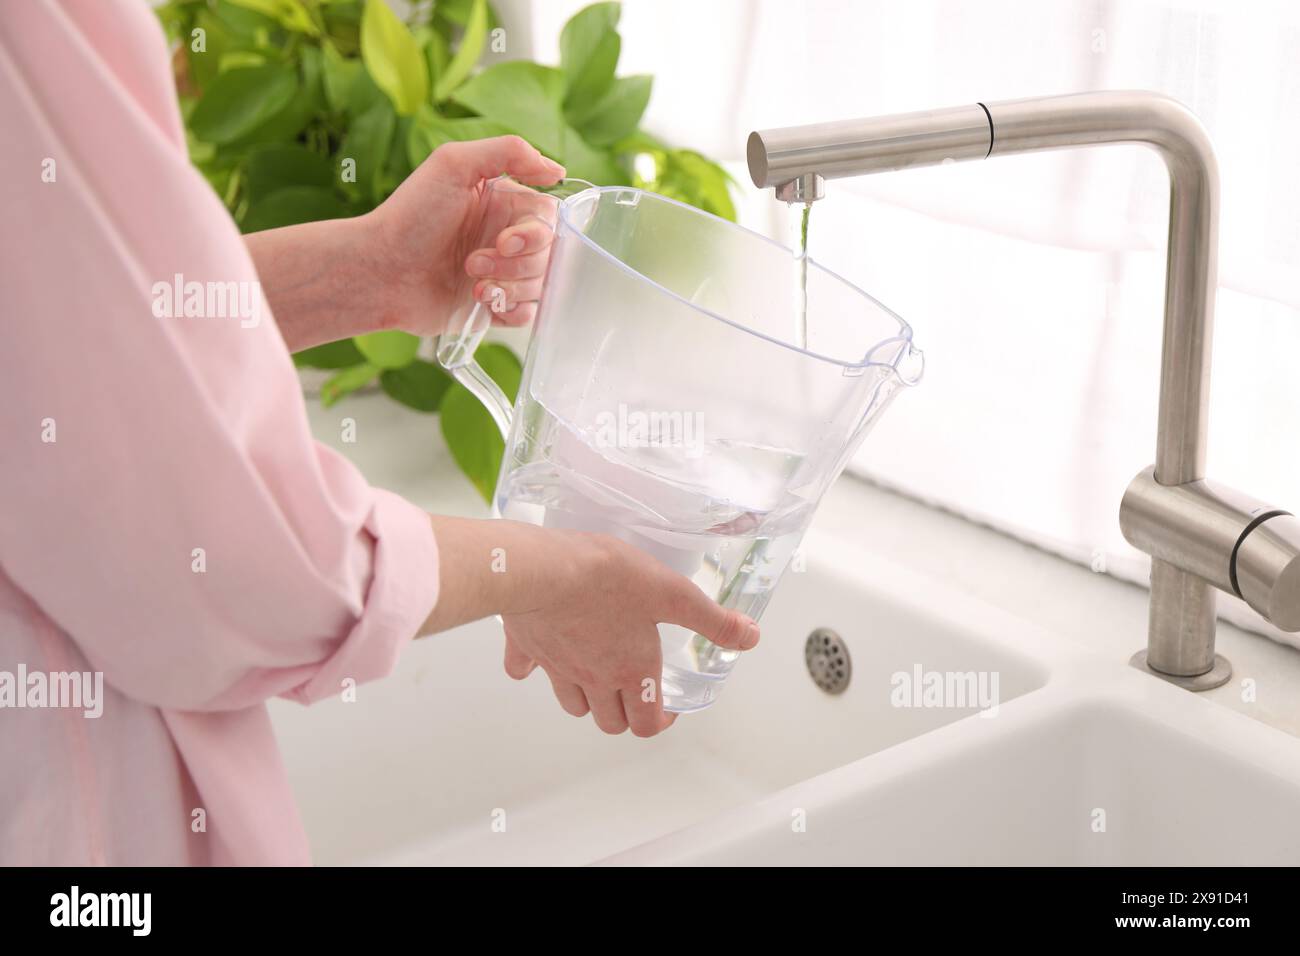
x,y
1034,283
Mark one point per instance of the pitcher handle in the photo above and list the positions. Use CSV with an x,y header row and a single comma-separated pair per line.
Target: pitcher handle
x,y
456,346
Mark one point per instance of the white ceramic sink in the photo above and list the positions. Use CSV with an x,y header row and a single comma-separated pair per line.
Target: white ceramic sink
x,y
1084,760
427,766
1068,779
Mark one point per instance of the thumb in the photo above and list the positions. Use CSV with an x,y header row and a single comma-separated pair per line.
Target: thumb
x,y
518,664
476,160
691,608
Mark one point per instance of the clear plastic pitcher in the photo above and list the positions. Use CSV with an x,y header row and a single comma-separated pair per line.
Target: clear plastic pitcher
x,y
674,396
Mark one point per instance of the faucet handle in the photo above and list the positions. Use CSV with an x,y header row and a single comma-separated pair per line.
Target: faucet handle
x,y
1266,570
1237,543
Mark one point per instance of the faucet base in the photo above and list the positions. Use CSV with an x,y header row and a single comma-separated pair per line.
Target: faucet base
x,y
1216,676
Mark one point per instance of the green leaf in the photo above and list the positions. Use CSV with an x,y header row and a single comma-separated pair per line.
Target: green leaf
x,y
291,14
472,436
456,12
342,20
712,183
618,112
639,142
467,54
238,102
596,166
392,349
348,380
312,86
419,385
589,49
340,74
205,64
235,59
291,206
283,127
393,58
429,131
502,365
364,95
523,97
340,354
277,166
367,145
437,54
398,165
246,24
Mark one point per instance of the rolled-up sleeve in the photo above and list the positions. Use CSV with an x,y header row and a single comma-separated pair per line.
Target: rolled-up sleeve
x,y
397,603
161,496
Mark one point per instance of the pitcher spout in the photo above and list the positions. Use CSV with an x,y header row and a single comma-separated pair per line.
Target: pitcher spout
x,y
898,354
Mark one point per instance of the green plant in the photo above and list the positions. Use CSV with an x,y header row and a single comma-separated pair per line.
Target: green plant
x,y
299,110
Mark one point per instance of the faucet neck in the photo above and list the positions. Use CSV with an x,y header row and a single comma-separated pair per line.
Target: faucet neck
x,y
1191,264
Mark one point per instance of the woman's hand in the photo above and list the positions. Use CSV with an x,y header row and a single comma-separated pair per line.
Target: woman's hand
x,y
583,607
404,264
426,234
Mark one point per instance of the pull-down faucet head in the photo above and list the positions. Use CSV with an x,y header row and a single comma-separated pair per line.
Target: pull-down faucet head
x,y
781,158
1198,537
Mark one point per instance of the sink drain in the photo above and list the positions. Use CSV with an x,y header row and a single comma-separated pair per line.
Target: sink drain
x,y
827,657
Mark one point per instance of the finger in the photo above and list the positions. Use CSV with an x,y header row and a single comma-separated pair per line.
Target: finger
x,y
690,607
646,717
518,664
570,696
502,310
476,160
503,297
607,709
490,264
531,235
520,315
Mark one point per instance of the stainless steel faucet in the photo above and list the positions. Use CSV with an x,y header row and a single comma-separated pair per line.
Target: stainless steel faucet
x,y
1200,536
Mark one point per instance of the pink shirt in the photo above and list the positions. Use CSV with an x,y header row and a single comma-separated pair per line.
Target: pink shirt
x,y
127,443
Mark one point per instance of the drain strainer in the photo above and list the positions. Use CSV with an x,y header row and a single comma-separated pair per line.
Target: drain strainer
x,y
827,657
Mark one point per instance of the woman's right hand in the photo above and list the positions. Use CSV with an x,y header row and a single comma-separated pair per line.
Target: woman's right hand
x,y
582,607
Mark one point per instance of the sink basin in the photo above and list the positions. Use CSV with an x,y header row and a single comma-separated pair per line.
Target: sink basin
x,y
1076,779
419,767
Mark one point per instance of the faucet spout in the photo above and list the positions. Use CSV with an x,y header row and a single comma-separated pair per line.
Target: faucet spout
x,y
1184,575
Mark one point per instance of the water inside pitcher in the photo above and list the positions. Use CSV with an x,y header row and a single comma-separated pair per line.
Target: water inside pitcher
x,y
675,395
